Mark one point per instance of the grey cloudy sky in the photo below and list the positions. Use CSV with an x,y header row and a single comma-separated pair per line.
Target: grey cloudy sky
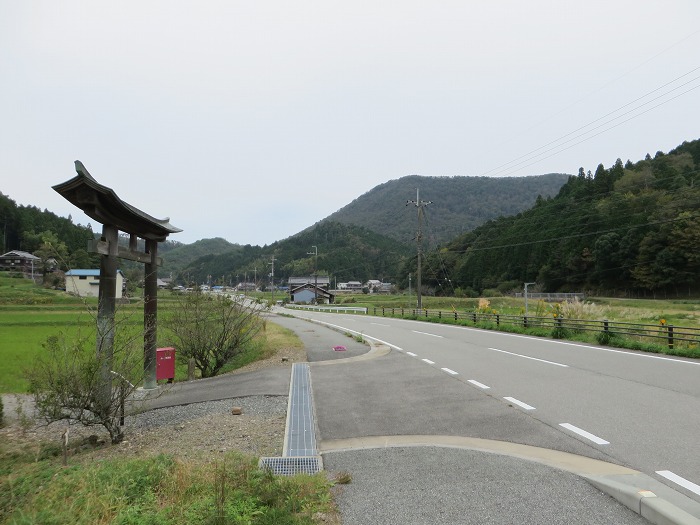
x,y
253,120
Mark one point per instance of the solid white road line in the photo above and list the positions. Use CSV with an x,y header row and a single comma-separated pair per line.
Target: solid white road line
x,y
583,433
679,480
426,333
519,403
476,383
532,358
449,371
379,324
428,361
411,354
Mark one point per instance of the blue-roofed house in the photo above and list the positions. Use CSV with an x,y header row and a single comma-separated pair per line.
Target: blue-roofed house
x,y
86,283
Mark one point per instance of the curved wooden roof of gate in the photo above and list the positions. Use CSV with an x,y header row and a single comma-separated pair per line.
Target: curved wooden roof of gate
x,y
103,205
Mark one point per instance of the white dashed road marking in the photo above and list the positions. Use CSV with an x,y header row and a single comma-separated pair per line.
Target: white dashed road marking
x,y
476,383
532,358
519,403
583,433
679,480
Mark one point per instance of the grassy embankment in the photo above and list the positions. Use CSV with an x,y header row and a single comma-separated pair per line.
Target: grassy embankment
x,y
657,314
36,488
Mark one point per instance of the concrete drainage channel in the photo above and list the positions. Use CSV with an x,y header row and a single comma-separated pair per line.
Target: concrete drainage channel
x,y
300,454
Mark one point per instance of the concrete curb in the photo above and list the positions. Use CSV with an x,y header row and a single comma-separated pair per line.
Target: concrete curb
x,y
649,498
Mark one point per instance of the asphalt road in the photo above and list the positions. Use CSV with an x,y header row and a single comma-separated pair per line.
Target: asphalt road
x,y
628,408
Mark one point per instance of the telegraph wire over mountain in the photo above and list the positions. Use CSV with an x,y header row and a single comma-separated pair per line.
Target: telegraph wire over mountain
x,y
533,157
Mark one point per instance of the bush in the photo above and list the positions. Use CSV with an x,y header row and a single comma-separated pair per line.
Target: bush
x,y
577,309
605,338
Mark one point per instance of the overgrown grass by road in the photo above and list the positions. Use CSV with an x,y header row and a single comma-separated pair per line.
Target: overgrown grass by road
x,y
155,490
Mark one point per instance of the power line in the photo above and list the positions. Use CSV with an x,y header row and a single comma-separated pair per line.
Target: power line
x,y
535,158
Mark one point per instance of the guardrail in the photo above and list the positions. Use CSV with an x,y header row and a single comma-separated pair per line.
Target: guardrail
x,y
666,333
337,309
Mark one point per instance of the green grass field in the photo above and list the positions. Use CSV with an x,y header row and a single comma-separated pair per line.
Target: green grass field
x,y
29,315
25,325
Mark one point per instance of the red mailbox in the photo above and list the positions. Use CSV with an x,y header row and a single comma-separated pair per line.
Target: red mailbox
x,y
165,363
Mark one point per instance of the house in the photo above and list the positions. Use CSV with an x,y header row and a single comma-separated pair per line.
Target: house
x,y
353,286
309,293
86,283
19,261
373,285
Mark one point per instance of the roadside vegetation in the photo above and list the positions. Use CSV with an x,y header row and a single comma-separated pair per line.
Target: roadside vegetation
x,y
38,485
36,488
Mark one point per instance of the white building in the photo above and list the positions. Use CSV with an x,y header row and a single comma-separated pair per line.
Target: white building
x,y
86,283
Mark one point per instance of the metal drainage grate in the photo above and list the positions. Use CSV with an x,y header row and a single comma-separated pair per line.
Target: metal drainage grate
x,y
290,466
300,433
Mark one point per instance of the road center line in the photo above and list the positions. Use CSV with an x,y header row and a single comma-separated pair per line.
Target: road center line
x,y
449,371
411,354
519,403
426,333
428,361
476,383
679,480
583,433
532,358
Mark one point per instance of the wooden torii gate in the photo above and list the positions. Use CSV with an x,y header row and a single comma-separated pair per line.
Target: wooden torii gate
x,y
104,206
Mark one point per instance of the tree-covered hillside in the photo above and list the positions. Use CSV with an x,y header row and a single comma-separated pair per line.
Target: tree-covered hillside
x,y
29,229
459,204
629,229
345,252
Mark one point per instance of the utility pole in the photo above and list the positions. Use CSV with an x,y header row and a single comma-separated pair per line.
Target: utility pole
x,y
419,238
526,285
315,252
272,279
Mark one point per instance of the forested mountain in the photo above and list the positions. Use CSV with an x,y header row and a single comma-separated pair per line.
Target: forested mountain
x,y
32,230
345,252
630,229
459,204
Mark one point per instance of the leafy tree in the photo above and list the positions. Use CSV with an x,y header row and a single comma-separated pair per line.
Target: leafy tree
x,y
71,381
212,329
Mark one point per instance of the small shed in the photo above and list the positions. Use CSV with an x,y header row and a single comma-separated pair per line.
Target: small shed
x,y
308,293
86,283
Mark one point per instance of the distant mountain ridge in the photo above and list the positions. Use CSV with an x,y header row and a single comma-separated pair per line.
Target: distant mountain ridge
x,y
459,204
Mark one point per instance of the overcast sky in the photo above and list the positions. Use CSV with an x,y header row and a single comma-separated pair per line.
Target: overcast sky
x,y
254,120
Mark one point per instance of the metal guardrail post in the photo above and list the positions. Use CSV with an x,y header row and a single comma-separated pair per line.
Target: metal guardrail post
x,y
498,319
455,316
382,311
474,317
524,321
605,325
670,337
